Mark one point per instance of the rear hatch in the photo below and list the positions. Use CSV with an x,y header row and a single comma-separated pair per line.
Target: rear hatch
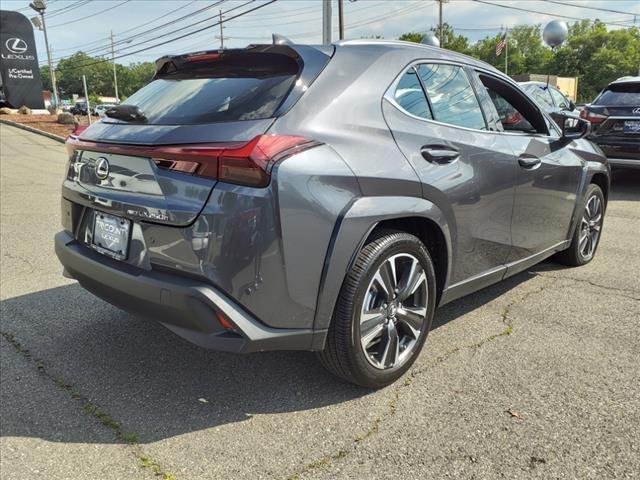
x,y
615,114
158,156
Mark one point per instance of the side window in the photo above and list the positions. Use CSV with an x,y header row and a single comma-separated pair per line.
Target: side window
x,y
541,95
510,117
560,99
410,96
517,112
452,97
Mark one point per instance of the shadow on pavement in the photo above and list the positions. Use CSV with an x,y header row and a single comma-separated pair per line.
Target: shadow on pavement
x,y
625,184
151,380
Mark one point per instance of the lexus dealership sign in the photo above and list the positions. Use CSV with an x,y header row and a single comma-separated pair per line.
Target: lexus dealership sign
x,y
19,71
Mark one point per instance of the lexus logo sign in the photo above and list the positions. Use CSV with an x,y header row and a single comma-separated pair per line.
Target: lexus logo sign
x,y
102,168
16,45
636,111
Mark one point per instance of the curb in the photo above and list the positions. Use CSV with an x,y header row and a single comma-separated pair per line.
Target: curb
x,y
52,136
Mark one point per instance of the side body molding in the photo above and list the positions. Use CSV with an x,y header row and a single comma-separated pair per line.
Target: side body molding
x,y
353,227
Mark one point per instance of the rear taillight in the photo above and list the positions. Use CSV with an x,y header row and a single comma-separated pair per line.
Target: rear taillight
x,y
592,117
237,162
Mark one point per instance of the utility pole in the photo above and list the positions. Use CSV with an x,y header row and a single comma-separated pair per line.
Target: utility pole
x,y
506,53
115,75
221,34
441,23
341,18
86,97
326,22
39,6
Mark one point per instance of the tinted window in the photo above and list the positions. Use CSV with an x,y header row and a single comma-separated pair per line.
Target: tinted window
x,y
207,100
620,94
233,86
540,95
410,96
510,117
559,99
452,98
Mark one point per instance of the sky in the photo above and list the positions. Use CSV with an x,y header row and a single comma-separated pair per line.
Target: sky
x,y
139,24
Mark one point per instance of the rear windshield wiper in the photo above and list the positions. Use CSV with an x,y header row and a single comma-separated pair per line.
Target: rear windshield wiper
x,y
130,113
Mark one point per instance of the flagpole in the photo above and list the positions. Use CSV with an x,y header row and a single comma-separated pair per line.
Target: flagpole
x,y
506,51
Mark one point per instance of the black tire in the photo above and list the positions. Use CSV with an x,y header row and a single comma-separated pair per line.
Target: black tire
x,y
343,355
573,256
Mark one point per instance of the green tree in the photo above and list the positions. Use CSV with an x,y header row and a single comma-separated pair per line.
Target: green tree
x,y
597,56
45,75
452,41
411,37
526,51
99,74
133,77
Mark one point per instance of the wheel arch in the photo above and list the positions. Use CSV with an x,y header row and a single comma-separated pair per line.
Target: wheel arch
x,y
602,180
430,234
361,219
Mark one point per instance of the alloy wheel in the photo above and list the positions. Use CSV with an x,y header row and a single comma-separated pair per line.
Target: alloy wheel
x,y
393,311
590,227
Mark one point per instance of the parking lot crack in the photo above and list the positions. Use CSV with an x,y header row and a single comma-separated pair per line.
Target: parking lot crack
x,y
375,425
91,408
623,292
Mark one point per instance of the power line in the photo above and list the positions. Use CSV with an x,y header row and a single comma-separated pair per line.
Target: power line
x,y
555,15
188,26
130,29
184,35
590,8
67,9
131,38
89,16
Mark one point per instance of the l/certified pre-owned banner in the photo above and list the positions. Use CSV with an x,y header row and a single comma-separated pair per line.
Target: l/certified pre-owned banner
x,y
19,68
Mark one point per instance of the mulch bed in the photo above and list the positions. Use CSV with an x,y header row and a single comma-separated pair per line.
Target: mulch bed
x,y
47,123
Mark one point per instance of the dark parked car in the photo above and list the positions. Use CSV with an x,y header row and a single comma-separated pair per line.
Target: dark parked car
x,y
80,108
322,198
615,121
552,100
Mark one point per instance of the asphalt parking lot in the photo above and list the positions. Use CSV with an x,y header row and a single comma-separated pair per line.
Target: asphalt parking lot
x,y
537,377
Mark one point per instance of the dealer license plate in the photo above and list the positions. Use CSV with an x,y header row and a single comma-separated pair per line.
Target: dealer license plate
x,y
111,235
632,126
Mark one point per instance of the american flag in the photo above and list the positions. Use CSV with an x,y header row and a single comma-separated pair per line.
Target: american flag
x,y
501,44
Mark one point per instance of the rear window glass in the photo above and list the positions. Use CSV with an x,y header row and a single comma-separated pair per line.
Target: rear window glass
x,y
620,94
246,88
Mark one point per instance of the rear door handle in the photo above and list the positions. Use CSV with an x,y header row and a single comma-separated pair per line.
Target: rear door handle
x,y
439,154
529,162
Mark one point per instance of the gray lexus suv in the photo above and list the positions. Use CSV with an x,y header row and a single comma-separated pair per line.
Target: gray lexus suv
x,y
323,198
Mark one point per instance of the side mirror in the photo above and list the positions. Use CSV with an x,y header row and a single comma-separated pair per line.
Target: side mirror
x,y
574,128
572,105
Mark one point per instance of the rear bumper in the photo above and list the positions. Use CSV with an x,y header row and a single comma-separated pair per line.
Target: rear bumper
x,y
624,162
619,152
185,306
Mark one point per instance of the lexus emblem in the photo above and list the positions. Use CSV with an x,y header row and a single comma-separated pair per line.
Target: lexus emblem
x,y
102,168
16,45
636,111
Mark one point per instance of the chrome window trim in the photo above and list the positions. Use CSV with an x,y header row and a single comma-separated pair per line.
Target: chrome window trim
x,y
389,96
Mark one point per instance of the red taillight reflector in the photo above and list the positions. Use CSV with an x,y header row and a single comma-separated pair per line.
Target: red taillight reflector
x,y
592,117
240,163
222,319
203,57
79,129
